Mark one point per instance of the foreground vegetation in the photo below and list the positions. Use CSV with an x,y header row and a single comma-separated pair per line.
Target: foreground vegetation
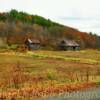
x,y
40,73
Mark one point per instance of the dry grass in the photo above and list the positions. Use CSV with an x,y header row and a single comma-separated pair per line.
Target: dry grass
x,y
48,69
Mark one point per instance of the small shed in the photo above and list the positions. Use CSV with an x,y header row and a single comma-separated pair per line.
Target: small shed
x,y
69,45
32,44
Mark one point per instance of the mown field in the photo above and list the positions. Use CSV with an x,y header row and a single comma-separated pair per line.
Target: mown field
x,y
40,73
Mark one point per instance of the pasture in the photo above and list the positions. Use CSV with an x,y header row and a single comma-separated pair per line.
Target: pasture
x,y
48,72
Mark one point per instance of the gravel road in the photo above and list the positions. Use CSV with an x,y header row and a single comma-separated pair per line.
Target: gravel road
x,y
88,94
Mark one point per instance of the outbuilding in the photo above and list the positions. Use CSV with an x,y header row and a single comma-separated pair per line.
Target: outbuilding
x,y
69,45
32,44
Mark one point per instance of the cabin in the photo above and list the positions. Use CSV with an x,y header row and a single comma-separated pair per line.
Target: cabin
x,y
32,44
69,45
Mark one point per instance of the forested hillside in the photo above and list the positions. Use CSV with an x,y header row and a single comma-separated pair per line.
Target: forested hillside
x,y
17,26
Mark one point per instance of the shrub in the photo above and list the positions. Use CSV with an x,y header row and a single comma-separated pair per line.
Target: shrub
x,y
13,47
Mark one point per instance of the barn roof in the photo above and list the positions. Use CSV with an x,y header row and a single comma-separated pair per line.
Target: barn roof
x,y
33,41
69,43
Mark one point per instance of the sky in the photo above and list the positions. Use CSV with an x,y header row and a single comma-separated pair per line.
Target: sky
x,y
83,15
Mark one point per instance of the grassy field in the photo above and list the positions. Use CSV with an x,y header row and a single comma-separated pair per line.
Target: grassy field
x,y
47,72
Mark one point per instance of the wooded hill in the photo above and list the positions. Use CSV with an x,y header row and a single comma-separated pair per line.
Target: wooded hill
x,y
17,26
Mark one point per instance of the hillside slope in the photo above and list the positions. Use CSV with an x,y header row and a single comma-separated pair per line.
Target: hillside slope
x,y
17,26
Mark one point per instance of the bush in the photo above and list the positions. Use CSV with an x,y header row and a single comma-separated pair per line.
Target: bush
x,y
13,47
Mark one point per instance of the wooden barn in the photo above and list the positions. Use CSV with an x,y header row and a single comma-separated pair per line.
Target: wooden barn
x,y
69,45
32,44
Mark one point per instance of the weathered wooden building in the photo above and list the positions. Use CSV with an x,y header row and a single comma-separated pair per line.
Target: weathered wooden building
x,y
32,44
69,45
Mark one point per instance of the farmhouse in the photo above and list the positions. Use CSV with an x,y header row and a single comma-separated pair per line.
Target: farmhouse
x,y
32,44
69,45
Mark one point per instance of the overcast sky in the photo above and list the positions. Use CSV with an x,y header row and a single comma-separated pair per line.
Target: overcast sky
x,y
81,14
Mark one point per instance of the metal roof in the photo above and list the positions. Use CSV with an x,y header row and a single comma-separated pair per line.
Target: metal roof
x,y
69,43
33,41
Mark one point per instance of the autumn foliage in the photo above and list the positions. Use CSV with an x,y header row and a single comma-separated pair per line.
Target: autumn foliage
x,y
17,26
